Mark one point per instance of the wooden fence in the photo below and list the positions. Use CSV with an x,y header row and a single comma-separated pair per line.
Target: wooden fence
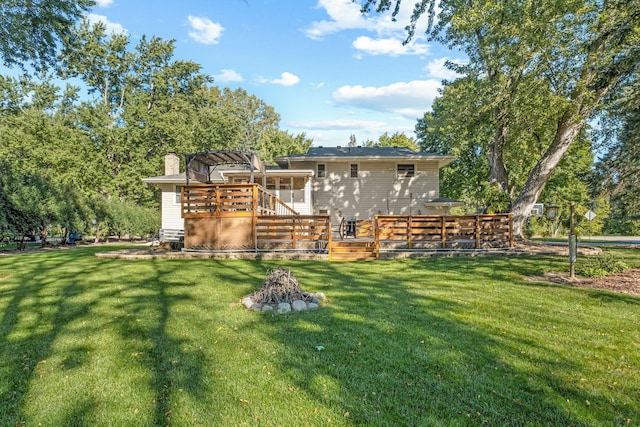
x,y
248,217
434,231
234,200
302,232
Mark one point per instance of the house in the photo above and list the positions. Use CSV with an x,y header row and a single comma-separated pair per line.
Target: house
x,y
360,182
352,183
229,167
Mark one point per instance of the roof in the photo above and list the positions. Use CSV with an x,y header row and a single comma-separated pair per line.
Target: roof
x,y
167,179
444,201
361,153
181,178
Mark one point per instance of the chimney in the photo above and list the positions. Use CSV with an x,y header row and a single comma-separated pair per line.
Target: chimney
x,y
171,163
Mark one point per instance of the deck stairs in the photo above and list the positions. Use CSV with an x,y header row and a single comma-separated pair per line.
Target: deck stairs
x,y
352,250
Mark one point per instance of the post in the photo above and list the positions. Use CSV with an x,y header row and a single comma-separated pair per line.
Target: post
x,y
573,242
254,199
377,235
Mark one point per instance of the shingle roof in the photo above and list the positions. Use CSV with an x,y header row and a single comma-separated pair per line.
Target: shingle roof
x,y
364,152
370,153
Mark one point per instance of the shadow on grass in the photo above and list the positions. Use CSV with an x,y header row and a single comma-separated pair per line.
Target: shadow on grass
x,y
411,342
404,353
61,308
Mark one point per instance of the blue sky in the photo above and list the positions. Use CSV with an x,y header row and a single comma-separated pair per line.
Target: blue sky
x,y
326,69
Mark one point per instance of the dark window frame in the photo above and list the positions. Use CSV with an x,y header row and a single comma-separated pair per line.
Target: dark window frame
x,y
354,169
406,170
178,195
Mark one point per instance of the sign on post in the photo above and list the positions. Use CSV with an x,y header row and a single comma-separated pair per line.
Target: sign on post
x,y
590,215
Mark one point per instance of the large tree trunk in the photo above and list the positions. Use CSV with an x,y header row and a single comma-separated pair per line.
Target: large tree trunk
x,y
497,169
568,129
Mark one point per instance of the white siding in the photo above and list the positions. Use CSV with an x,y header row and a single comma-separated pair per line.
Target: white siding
x,y
171,213
377,189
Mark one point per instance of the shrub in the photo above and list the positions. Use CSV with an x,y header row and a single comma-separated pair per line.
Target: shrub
x,y
600,266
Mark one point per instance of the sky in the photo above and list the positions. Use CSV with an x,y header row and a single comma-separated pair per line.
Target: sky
x,y
327,70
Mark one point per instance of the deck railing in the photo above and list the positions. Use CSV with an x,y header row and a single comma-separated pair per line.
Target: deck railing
x,y
272,225
218,200
453,231
302,232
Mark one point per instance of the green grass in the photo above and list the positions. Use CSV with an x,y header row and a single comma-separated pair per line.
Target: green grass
x,y
441,341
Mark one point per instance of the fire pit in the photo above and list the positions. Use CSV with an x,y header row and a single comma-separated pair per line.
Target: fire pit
x,y
281,292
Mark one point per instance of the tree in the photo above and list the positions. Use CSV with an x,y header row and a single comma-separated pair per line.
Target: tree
x,y
45,172
398,139
574,54
31,30
145,105
618,176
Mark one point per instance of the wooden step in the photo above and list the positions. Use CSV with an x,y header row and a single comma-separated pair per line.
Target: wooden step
x,y
345,250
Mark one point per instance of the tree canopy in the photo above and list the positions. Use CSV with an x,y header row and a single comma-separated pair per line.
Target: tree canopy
x,y
540,69
31,30
71,158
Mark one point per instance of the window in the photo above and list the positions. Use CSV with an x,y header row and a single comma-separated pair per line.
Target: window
x,y
298,189
353,170
322,172
406,170
178,198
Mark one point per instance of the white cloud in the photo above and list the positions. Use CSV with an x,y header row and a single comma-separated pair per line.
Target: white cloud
x,y
409,99
286,79
338,132
437,70
340,124
112,27
204,30
346,15
389,46
343,14
227,76
104,3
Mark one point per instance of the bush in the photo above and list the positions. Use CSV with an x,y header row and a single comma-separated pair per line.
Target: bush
x,y
600,266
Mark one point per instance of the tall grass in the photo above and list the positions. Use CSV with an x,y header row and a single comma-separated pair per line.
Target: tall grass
x,y
464,341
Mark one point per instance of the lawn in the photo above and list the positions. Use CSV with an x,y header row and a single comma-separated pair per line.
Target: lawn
x,y
440,341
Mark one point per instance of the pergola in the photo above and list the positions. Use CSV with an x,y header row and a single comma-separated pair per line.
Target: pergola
x,y
202,166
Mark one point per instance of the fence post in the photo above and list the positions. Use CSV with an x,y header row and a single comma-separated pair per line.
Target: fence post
x,y
376,231
294,232
477,231
409,231
217,190
254,196
443,232
330,236
510,217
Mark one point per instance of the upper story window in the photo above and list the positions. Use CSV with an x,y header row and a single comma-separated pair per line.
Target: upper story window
x,y
353,170
322,171
406,170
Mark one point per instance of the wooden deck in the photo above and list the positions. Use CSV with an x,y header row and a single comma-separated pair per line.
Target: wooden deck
x,y
246,217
